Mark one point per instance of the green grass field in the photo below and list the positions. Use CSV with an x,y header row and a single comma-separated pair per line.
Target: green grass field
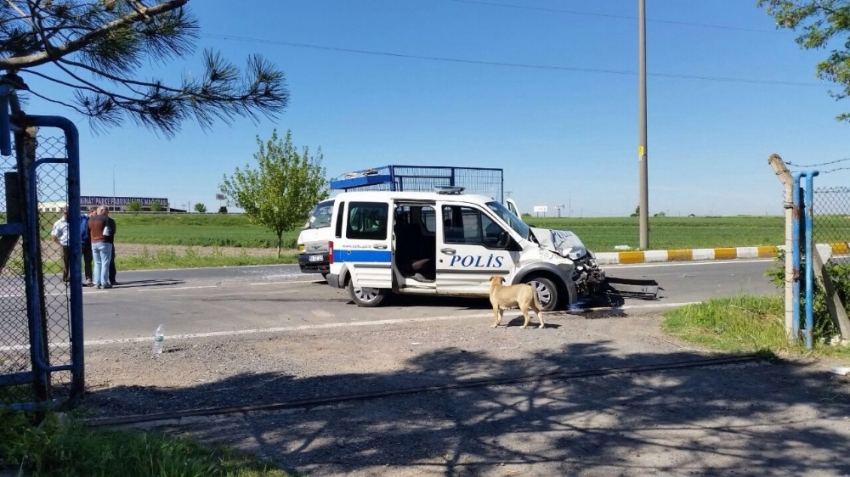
x,y
603,234
598,234
211,230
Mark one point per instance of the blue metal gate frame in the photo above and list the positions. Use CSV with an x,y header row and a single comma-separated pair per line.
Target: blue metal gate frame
x,y
29,230
802,245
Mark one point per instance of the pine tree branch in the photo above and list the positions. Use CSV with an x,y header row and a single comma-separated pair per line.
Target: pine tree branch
x,y
109,39
43,57
55,101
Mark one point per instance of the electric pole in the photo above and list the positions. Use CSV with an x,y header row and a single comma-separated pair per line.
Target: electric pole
x,y
643,213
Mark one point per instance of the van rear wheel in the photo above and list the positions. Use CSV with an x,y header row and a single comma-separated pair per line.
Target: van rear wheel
x,y
367,297
546,291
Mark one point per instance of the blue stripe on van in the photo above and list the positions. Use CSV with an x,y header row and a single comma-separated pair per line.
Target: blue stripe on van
x,y
370,256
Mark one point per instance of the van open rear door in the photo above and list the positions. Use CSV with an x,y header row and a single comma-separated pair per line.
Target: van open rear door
x,y
365,247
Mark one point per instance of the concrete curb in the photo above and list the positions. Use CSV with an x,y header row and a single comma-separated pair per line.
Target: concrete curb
x,y
826,250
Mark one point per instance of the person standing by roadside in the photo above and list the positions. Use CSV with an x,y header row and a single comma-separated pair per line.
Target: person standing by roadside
x,y
59,234
111,239
101,247
87,253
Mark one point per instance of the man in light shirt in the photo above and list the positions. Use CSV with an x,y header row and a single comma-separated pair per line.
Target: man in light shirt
x,y
59,234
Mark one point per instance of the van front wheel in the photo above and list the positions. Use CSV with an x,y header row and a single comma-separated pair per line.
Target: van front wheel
x,y
546,291
367,297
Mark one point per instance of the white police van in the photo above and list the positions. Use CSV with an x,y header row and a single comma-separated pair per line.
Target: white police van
x,y
317,233
438,243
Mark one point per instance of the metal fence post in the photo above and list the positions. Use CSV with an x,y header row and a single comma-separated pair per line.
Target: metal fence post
x,y
809,210
795,251
5,125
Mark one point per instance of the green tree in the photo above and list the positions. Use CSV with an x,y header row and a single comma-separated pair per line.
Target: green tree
x,y
821,21
94,48
283,189
200,208
156,206
134,206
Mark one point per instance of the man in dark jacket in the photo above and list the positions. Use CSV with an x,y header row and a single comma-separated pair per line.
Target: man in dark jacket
x,y
87,253
111,239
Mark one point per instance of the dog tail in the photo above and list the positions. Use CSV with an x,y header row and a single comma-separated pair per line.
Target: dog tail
x,y
537,302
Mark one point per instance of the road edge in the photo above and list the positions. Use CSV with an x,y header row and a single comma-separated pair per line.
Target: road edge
x,y
827,250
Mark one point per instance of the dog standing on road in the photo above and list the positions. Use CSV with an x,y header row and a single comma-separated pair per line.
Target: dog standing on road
x,y
512,296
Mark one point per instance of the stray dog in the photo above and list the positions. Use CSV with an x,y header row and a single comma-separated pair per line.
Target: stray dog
x,y
506,297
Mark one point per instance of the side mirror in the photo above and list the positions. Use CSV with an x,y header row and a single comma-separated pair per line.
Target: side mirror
x,y
504,240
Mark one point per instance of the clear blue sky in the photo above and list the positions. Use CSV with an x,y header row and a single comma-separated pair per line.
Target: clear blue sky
x,y
561,136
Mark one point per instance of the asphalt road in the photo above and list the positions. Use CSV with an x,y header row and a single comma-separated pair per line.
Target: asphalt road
x,y
244,300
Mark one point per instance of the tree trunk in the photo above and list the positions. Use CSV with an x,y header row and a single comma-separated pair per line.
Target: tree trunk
x,y
279,240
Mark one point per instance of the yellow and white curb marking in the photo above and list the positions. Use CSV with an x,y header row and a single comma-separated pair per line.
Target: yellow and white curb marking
x,y
826,250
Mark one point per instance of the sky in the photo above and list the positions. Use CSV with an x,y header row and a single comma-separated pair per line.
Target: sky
x,y
564,135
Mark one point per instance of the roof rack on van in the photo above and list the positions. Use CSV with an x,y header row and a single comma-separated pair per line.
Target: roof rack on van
x,y
452,190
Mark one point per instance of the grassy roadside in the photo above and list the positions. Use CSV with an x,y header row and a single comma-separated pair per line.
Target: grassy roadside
x,y
53,449
169,258
600,234
743,323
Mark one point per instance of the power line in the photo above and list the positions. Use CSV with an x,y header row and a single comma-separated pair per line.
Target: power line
x,y
829,171
619,17
506,64
821,164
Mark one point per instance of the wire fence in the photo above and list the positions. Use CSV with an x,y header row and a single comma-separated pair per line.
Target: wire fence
x,y
15,355
831,221
14,330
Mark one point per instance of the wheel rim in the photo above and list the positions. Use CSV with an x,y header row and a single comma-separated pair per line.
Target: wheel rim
x,y
366,295
544,294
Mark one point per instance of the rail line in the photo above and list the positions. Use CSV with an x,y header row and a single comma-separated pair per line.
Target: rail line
x,y
174,417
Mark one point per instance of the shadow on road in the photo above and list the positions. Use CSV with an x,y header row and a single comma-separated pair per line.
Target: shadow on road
x,y
765,419
148,283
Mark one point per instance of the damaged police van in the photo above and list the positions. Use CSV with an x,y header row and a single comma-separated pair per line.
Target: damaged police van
x,y
444,243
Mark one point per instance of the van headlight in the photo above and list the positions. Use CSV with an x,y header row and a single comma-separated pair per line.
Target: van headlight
x,y
576,253
301,247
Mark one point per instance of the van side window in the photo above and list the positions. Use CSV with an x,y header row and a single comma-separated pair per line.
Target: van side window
x,y
465,225
367,220
340,209
428,219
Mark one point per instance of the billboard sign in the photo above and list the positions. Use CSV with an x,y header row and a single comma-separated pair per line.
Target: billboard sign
x,y
122,201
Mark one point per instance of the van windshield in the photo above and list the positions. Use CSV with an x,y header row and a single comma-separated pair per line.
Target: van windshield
x,y
518,225
321,216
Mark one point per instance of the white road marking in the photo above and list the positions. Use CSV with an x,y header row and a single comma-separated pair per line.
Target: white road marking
x,y
144,290
22,295
632,307
331,326
284,282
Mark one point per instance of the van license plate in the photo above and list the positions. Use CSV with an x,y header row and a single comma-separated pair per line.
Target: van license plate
x,y
315,258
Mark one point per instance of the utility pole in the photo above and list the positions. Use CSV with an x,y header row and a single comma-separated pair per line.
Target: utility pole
x,y
643,213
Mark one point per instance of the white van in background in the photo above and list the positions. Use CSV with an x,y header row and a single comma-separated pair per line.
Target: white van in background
x,y
314,238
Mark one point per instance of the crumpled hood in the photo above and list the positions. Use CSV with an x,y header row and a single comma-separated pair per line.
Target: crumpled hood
x,y
562,242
